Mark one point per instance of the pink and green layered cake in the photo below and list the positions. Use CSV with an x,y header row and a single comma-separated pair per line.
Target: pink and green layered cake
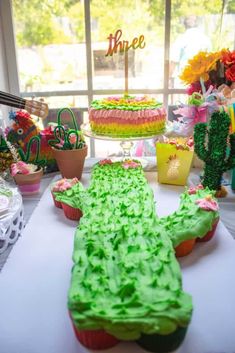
x,y
127,116
126,282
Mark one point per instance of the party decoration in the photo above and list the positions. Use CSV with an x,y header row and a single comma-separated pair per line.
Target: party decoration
x,y
23,128
228,59
69,148
5,156
67,139
38,108
210,69
21,131
117,45
199,67
174,158
211,145
173,167
26,156
22,168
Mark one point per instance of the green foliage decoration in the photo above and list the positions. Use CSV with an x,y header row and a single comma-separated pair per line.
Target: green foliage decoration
x,y
211,144
63,136
27,156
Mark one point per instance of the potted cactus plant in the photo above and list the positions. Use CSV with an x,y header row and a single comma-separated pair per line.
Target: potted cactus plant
x,y
28,175
69,148
210,144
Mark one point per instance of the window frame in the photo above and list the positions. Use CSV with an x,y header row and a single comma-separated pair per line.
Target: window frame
x,y
12,67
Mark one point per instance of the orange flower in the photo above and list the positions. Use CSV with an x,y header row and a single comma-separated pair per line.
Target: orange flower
x,y
199,67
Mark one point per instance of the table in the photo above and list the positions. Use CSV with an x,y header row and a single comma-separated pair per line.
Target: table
x,y
35,280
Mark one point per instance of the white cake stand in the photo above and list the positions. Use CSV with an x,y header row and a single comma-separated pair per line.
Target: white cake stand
x,y
11,219
126,143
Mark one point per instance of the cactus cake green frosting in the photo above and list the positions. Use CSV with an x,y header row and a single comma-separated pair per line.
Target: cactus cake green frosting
x,y
189,221
125,278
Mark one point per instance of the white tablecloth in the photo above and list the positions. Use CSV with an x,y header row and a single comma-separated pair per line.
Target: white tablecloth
x,y
35,280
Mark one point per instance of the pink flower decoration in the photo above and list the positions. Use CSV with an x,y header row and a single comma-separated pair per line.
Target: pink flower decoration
x,y
64,184
73,138
105,161
74,181
19,168
207,204
60,144
194,189
190,142
130,164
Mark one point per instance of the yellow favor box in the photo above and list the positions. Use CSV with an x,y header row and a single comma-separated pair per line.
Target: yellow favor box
x,y
173,164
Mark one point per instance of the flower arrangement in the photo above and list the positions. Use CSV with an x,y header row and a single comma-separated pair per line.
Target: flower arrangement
x,y
207,70
65,138
228,59
199,67
211,87
21,167
197,110
68,147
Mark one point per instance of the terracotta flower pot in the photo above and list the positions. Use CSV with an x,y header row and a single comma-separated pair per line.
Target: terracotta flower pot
x,y
70,162
29,183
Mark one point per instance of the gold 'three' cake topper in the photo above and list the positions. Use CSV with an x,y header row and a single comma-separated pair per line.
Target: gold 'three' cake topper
x,y
117,45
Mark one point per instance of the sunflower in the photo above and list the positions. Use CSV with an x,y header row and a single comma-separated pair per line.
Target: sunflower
x,y
199,67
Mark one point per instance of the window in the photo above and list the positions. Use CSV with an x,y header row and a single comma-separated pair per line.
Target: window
x,y
61,46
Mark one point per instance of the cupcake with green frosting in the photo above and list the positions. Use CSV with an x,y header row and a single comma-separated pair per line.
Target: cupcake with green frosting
x,y
126,281
196,219
68,194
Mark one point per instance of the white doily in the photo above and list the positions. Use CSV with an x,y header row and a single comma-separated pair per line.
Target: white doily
x,y
12,221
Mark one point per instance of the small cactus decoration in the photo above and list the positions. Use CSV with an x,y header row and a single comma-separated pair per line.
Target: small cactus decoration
x,y
210,144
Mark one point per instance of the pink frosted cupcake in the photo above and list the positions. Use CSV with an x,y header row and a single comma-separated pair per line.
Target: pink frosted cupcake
x,y
67,194
59,187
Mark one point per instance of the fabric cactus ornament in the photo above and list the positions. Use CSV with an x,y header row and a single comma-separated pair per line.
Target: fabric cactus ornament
x,y
211,144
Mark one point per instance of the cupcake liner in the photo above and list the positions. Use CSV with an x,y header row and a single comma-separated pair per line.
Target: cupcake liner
x,y
163,343
185,248
95,339
56,203
71,212
209,235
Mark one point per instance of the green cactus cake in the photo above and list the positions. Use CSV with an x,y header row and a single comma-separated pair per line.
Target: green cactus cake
x,y
126,282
